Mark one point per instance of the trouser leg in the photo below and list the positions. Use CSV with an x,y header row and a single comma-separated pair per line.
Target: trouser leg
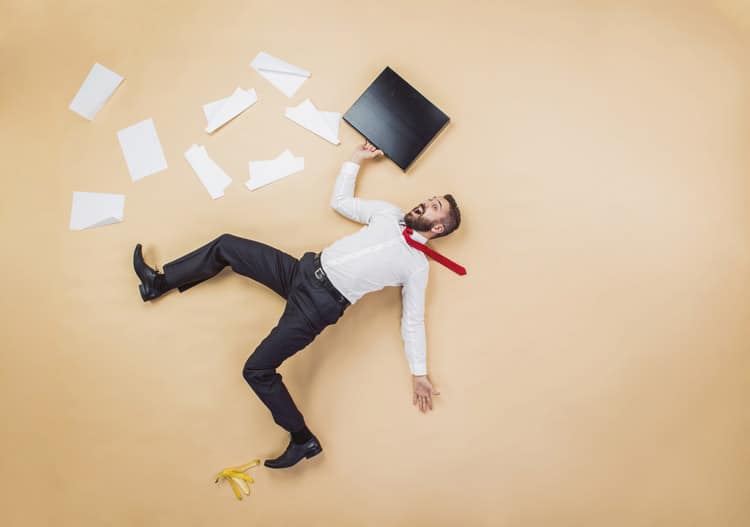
x,y
263,263
291,334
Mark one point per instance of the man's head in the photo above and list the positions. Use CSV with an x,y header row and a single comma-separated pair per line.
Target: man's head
x,y
435,217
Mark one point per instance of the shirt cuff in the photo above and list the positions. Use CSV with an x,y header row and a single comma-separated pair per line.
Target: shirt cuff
x,y
419,370
350,167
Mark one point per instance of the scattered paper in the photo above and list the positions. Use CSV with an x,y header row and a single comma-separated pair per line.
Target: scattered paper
x,y
99,86
324,124
210,174
286,77
142,149
220,112
267,171
93,209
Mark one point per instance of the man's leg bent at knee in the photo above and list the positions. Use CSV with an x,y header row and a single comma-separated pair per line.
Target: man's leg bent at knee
x,y
291,334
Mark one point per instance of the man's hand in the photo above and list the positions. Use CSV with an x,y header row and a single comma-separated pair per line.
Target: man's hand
x,y
365,151
423,392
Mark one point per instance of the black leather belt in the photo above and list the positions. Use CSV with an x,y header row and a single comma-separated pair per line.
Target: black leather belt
x,y
320,275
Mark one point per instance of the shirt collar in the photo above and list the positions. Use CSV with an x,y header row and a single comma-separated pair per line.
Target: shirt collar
x,y
415,235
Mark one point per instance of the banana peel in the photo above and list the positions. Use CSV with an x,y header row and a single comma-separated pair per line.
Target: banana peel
x,y
238,480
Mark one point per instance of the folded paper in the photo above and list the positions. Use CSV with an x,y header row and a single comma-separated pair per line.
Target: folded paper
x,y
94,209
96,89
264,172
220,112
142,149
286,77
209,173
324,124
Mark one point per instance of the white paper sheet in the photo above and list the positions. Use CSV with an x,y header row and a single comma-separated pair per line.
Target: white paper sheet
x,y
220,112
142,149
286,77
267,171
210,174
324,124
98,86
94,209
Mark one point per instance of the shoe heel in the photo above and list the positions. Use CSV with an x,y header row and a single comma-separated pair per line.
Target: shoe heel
x,y
142,292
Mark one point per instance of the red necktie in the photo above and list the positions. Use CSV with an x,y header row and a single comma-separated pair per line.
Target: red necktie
x,y
450,264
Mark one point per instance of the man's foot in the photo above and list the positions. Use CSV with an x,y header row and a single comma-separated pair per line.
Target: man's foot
x,y
294,453
151,280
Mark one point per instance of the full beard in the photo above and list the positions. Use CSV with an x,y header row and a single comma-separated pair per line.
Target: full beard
x,y
417,223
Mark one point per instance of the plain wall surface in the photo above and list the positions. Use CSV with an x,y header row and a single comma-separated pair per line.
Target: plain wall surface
x,y
593,364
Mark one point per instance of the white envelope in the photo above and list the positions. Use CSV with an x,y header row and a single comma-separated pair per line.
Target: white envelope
x,y
93,209
324,124
218,113
286,77
99,86
264,172
210,174
142,149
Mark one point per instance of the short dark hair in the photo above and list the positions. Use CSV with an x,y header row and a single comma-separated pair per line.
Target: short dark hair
x,y
453,219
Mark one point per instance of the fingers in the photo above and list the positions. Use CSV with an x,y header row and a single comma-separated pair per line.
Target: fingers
x,y
425,403
370,150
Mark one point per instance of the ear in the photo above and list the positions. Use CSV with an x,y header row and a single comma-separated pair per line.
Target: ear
x,y
438,228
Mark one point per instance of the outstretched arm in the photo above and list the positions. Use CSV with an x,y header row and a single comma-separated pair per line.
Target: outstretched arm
x,y
413,333
343,200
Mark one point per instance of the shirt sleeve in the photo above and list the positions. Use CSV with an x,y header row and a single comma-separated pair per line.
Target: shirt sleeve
x,y
344,202
412,320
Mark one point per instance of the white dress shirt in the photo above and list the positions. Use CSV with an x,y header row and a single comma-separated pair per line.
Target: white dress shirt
x,y
377,256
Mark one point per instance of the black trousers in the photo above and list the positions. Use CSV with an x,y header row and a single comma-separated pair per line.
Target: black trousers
x,y
310,307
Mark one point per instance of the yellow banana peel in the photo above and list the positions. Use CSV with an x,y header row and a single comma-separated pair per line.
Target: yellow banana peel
x,y
242,476
247,466
235,488
238,480
242,484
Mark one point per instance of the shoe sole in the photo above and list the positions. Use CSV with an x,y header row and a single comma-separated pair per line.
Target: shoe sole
x,y
137,255
138,259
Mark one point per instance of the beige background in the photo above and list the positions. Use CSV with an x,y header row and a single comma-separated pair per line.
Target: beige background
x,y
593,364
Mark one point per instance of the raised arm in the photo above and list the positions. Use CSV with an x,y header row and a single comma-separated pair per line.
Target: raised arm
x,y
343,200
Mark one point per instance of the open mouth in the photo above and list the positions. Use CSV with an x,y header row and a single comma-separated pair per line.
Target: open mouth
x,y
418,210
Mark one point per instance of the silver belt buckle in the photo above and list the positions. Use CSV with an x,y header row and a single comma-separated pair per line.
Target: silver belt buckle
x,y
319,273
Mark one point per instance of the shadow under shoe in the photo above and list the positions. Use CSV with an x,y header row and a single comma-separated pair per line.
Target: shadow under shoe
x,y
151,285
294,453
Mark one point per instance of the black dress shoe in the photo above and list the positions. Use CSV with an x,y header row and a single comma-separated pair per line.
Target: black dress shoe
x,y
148,287
294,453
